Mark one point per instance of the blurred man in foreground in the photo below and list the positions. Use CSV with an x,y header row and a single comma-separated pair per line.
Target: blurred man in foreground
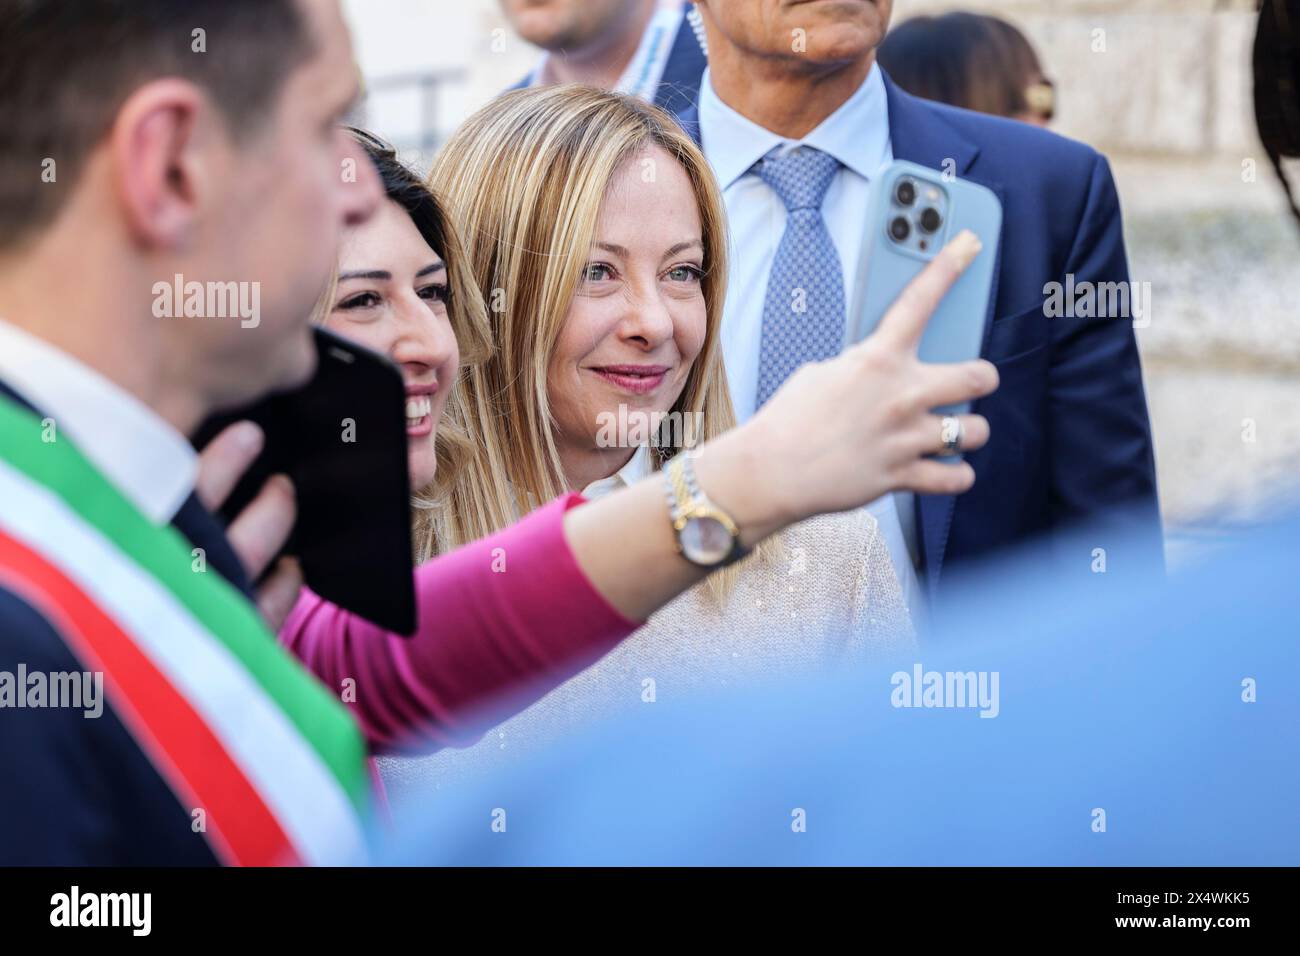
x,y
1087,720
150,143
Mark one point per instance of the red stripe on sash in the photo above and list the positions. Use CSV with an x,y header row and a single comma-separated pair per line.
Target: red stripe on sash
x,y
241,829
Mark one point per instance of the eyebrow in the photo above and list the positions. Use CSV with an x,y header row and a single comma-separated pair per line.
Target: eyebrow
x,y
683,246
622,250
383,275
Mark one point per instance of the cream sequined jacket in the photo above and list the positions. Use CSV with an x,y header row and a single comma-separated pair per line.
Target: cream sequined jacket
x,y
831,598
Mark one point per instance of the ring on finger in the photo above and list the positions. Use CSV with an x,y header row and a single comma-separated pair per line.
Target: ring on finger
x,y
950,435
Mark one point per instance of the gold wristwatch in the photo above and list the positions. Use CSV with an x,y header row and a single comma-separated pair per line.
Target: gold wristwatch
x,y
706,535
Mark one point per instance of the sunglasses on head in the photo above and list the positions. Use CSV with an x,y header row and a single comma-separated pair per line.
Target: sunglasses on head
x,y
1040,97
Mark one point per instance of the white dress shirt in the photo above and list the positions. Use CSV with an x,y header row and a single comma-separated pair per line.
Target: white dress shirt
x,y
142,455
857,134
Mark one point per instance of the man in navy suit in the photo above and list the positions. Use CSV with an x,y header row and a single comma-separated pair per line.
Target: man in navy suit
x,y
643,47
795,114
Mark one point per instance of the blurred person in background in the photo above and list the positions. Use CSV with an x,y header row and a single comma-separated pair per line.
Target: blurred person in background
x,y
1275,60
646,48
606,366
971,60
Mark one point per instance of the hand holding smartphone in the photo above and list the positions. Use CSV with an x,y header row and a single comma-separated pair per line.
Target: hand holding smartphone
x,y
342,440
912,213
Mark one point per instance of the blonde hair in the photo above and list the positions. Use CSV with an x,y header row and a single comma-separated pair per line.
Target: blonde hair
x,y
525,178
453,450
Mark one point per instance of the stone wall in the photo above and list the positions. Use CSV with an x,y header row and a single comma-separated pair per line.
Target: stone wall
x,y
1151,77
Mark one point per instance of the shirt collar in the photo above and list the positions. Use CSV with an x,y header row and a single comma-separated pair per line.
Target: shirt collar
x,y
857,133
637,467
131,445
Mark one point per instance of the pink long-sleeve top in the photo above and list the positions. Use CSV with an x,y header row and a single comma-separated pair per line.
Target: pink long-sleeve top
x,y
505,618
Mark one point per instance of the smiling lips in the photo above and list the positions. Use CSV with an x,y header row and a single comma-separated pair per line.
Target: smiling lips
x,y
638,379
419,409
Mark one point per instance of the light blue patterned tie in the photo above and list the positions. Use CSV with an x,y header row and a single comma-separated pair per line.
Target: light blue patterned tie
x,y
803,314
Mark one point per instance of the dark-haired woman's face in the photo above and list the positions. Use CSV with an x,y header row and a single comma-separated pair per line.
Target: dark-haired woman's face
x,y
392,298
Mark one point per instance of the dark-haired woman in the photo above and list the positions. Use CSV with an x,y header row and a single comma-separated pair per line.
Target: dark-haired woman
x,y
971,60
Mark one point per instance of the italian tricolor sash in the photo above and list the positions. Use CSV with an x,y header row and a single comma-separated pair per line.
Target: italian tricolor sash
x,y
233,723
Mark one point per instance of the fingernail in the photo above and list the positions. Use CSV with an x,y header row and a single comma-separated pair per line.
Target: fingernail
x,y
248,436
966,247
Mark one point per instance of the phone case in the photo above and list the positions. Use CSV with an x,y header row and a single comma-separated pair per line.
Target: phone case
x,y
955,332
342,439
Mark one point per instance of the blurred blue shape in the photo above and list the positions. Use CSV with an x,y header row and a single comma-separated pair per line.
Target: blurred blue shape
x,y
1118,695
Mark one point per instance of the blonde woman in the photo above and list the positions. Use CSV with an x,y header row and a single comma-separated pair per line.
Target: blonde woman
x,y
597,233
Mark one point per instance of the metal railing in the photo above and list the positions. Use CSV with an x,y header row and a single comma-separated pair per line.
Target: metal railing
x,y
429,85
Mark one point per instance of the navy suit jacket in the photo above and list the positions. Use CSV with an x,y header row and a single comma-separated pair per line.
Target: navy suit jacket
x,y
1070,442
85,792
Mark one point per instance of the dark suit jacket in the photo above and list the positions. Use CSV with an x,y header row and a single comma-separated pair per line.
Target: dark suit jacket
x,y
82,792
1071,442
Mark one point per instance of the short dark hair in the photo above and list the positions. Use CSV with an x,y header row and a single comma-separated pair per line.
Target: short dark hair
x,y
971,60
67,66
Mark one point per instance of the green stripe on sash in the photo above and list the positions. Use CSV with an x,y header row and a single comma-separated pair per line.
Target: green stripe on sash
x,y
165,555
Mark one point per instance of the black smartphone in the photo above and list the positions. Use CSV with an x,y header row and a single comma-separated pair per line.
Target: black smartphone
x,y
342,440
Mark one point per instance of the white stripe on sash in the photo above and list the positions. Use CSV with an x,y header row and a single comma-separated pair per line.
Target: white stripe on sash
x,y
283,767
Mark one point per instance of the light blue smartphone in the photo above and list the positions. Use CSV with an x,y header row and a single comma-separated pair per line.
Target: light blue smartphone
x,y
912,213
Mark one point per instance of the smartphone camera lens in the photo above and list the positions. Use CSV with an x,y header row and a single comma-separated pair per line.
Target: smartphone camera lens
x,y
899,228
930,219
905,192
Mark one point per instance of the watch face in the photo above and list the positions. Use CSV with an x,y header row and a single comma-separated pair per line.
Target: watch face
x,y
705,540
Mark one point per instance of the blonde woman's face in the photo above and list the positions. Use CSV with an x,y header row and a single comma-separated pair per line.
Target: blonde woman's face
x,y
392,298
637,322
